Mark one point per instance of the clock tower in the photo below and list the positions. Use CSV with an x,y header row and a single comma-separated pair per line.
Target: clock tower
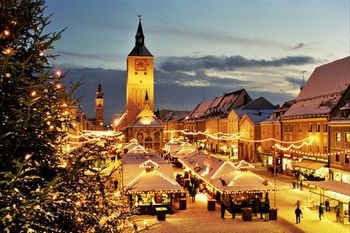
x,y
140,77
99,122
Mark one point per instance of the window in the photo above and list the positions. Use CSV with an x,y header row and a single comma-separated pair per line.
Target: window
x,y
347,158
337,157
337,137
285,128
325,149
318,126
310,127
300,127
347,137
325,129
290,128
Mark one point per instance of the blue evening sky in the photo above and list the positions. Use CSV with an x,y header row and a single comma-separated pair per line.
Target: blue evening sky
x,y
209,47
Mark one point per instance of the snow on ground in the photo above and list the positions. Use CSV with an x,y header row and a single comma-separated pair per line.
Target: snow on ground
x,y
196,218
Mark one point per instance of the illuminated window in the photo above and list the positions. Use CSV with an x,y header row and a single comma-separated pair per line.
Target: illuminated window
x,y
300,127
347,137
337,137
337,157
310,127
347,158
325,128
318,126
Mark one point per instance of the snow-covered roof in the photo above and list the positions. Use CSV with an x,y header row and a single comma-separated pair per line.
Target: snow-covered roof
x,y
147,121
153,181
238,181
201,163
219,106
326,79
317,106
323,91
175,116
333,185
139,158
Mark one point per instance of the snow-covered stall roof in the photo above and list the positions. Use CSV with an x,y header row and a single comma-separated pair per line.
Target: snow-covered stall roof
x,y
138,149
333,185
138,158
241,182
243,165
153,181
203,165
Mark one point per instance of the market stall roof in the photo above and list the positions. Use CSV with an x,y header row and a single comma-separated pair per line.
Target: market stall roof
x,y
243,165
138,149
202,164
226,168
182,152
308,164
153,181
333,185
239,181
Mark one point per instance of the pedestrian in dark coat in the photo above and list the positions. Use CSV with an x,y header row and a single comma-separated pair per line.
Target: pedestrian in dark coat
x,y
298,213
222,208
320,211
261,208
233,208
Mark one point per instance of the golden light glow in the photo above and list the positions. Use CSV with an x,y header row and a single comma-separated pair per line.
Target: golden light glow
x,y
8,51
54,197
33,93
27,156
6,32
58,86
58,73
41,54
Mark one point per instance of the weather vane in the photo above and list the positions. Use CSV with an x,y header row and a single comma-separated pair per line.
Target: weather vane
x,y
139,17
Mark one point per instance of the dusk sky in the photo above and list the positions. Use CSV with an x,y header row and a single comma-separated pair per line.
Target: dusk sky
x,y
202,49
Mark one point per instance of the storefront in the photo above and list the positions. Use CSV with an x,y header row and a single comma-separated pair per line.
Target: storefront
x,y
338,193
340,175
312,169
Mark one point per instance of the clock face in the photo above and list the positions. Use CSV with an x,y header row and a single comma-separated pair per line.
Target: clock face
x,y
141,64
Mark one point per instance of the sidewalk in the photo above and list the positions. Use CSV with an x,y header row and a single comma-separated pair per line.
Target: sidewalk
x,y
286,199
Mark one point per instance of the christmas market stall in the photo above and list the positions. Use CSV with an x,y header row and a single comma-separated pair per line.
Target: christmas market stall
x,y
336,197
247,190
149,181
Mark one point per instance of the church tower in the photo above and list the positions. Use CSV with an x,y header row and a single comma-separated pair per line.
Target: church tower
x,y
140,77
99,108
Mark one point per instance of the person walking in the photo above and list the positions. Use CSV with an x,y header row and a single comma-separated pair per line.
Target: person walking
x,y
222,208
233,208
298,213
326,203
320,211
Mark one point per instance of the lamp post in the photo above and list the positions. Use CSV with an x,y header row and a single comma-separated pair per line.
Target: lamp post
x,y
274,175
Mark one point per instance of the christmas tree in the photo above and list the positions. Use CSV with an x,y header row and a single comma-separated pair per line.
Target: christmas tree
x,y
45,188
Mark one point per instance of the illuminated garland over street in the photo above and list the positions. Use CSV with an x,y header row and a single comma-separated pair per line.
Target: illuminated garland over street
x,y
238,136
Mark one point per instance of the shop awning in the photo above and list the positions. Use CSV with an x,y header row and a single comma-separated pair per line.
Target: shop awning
x,y
308,164
333,185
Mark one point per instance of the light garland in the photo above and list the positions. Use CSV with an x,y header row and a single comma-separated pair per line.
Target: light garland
x,y
325,155
237,136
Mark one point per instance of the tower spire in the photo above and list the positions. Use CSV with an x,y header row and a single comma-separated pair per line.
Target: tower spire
x,y
140,48
139,38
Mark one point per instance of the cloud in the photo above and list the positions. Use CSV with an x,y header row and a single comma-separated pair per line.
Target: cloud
x,y
84,55
172,64
297,46
296,82
175,90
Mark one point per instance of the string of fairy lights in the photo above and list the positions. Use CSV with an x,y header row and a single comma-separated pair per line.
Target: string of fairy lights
x,y
292,147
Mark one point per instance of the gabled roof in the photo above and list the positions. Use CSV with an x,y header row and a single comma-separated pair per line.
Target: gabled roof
x,y
258,104
218,106
174,116
323,92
